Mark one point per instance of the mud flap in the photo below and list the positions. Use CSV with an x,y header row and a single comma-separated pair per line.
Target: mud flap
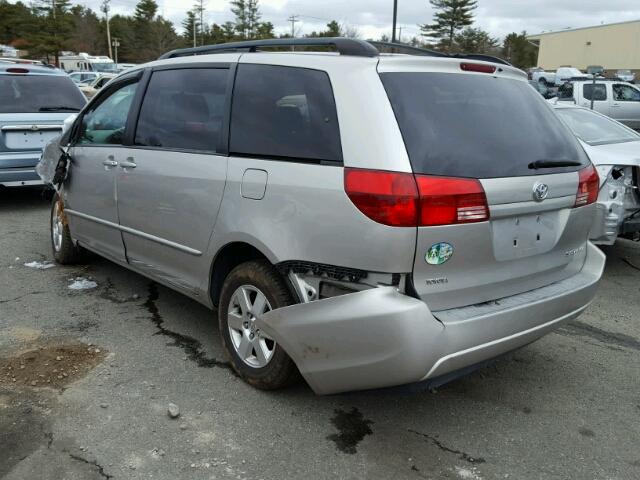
x,y
369,339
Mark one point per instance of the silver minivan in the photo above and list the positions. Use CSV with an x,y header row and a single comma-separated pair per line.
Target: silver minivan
x,y
364,219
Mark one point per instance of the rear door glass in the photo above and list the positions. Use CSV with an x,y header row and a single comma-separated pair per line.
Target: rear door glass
x,y
183,109
469,125
284,113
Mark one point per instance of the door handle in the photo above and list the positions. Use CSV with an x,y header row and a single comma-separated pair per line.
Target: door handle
x,y
615,104
129,163
110,162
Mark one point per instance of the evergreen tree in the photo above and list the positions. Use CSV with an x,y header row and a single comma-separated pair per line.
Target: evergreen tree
x,y
476,40
198,12
54,27
16,22
450,17
518,51
333,30
265,30
239,10
253,18
145,11
190,27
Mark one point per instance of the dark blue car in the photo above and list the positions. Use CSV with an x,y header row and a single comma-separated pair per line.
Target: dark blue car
x,y
34,102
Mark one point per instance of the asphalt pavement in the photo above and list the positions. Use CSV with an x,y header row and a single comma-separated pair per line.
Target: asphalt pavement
x,y
87,375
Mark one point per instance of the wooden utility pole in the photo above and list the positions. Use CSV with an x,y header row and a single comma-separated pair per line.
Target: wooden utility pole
x,y
293,19
105,9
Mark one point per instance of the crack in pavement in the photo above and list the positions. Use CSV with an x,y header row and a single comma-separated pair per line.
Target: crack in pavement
x,y
190,345
444,448
95,463
9,300
585,330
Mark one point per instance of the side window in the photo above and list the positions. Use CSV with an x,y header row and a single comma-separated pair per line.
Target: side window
x,y
105,124
597,91
183,109
284,112
565,91
625,93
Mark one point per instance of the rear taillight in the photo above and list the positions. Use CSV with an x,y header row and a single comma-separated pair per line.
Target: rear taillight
x,y
446,200
389,198
402,200
588,185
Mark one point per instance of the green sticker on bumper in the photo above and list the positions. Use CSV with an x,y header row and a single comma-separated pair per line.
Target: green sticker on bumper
x,y
439,253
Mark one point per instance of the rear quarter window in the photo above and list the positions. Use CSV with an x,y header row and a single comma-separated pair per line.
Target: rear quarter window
x,y
285,113
478,126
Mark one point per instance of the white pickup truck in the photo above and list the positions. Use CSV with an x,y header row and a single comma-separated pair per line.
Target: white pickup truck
x,y
559,77
615,99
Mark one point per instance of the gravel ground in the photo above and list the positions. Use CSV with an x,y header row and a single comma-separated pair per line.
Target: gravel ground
x,y
565,407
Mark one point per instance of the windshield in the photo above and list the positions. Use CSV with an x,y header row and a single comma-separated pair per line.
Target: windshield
x,y
104,67
595,129
39,93
477,126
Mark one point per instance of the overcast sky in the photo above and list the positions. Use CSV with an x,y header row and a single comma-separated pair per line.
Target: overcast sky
x,y
373,17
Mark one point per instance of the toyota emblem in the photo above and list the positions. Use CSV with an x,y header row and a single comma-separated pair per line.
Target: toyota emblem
x,y
540,191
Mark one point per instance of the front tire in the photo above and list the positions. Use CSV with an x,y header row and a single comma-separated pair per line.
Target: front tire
x,y
249,291
64,250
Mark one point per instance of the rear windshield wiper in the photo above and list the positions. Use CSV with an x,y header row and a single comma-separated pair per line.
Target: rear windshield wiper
x,y
553,164
58,108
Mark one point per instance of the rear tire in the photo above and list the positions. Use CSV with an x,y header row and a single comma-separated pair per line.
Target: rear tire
x,y
250,290
64,250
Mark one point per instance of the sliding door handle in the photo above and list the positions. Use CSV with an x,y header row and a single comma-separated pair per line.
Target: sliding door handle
x,y
129,163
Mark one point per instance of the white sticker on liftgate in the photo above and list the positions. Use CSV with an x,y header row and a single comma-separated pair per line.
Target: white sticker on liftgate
x,y
439,253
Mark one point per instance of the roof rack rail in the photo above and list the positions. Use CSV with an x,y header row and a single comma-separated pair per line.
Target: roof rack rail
x,y
344,46
389,47
481,57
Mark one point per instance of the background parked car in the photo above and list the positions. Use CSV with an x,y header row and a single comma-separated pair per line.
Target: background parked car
x,y
543,89
542,76
34,102
626,76
618,100
83,77
532,70
615,151
565,74
92,88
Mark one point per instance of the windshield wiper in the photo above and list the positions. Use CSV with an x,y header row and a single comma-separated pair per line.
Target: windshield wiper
x,y
58,108
553,164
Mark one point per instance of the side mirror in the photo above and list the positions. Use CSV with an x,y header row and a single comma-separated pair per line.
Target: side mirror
x,y
68,122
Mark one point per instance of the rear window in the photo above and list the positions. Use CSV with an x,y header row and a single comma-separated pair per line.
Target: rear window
x,y
39,93
477,126
285,113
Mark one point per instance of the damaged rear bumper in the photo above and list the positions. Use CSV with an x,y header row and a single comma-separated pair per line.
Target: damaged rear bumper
x,y
379,337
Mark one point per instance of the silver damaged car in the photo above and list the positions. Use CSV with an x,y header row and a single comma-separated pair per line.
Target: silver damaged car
x,y
364,219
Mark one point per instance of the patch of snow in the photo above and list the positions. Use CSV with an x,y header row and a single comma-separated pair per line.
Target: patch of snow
x,y
80,283
40,265
467,474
